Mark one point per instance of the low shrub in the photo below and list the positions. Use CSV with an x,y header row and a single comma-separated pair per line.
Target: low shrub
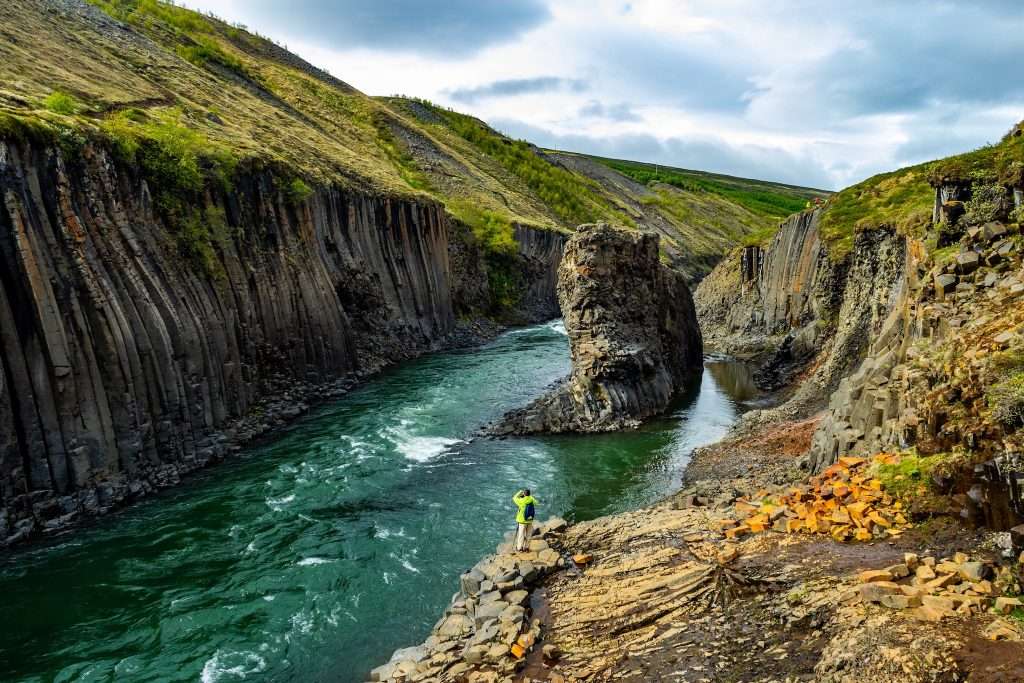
x,y
60,102
989,202
297,191
1005,400
491,229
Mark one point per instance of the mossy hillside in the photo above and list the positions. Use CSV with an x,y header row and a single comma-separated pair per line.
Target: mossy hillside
x,y
771,200
188,97
706,221
573,198
900,199
904,199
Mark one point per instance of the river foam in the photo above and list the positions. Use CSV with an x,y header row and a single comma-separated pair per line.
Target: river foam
x,y
234,665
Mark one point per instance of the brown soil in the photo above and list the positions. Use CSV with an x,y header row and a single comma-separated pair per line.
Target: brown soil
x,y
989,661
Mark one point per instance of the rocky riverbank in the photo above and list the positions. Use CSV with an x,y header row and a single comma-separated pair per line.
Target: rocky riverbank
x,y
665,593
491,623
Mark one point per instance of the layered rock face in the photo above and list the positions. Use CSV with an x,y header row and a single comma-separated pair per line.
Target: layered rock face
x,y
124,363
792,304
756,297
925,378
632,331
532,273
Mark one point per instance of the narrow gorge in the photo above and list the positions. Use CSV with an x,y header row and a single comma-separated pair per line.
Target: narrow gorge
x,y
130,360
276,353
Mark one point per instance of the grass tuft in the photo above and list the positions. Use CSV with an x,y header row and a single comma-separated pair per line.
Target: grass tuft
x,y
60,102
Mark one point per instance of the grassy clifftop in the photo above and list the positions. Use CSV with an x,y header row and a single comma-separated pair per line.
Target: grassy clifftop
x,y
904,199
187,98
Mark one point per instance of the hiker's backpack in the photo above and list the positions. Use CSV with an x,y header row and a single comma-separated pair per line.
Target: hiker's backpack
x,y
529,512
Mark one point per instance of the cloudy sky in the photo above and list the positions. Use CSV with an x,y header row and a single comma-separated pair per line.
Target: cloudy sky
x,y
813,93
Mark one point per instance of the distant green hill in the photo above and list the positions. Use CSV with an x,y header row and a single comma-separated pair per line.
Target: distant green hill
x,y
766,198
187,98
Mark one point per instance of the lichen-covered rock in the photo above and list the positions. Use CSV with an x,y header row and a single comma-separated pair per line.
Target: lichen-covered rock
x,y
632,331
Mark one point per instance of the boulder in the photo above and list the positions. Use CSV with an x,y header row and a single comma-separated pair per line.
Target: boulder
x,y
528,571
491,610
512,614
876,590
967,262
519,597
973,571
993,231
1005,605
469,582
873,575
497,651
548,558
633,336
944,285
476,653
555,525
455,625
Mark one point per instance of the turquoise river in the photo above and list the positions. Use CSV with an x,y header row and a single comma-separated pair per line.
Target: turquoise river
x,y
312,556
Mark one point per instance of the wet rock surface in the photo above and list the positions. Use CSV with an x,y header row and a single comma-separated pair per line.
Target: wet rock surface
x,y
633,336
489,627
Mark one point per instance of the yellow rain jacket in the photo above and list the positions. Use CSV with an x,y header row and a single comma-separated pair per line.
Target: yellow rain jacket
x,y
521,502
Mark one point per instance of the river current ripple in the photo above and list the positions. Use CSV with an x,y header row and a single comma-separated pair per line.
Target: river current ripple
x,y
313,556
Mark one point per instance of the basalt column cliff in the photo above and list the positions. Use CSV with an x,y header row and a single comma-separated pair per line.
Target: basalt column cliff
x,y
632,330
127,359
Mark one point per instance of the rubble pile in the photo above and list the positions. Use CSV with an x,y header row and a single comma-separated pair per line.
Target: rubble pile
x,y
487,629
935,589
844,501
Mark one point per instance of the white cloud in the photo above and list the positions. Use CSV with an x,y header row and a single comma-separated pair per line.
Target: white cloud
x,y
821,93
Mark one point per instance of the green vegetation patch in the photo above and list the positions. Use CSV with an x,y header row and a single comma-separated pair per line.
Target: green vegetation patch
x,y
1005,396
60,102
179,163
204,52
492,230
571,197
399,156
148,12
900,199
296,191
761,198
911,478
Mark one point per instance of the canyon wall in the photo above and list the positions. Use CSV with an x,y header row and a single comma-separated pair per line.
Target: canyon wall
x,y
927,376
759,295
799,310
134,350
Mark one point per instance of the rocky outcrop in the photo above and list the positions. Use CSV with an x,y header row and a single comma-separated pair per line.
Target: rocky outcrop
x,y
795,306
632,331
924,379
490,624
758,296
134,349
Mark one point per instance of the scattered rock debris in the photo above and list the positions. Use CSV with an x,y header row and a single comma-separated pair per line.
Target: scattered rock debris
x,y
844,502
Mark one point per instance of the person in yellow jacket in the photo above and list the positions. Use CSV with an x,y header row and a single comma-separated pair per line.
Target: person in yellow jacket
x,y
526,511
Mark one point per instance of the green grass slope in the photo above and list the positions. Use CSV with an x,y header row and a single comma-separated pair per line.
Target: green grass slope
x,y
903,199
765,198
188,98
